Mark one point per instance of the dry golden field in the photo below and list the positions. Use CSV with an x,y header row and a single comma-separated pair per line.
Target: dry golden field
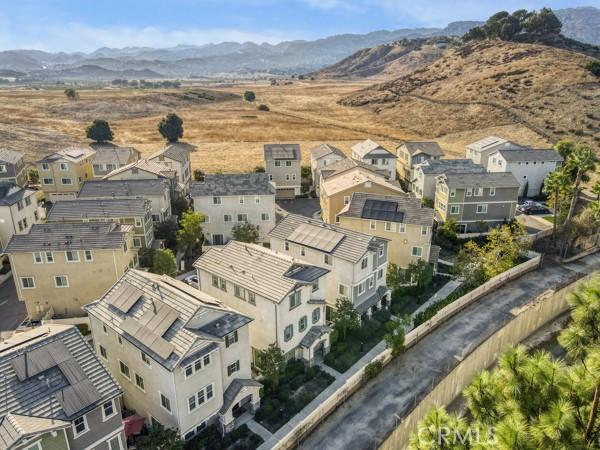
x,y
228,132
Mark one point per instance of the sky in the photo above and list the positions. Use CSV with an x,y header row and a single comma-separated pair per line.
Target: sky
x,y
84,25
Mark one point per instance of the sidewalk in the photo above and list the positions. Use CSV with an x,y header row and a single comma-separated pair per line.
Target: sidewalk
x,y
444,292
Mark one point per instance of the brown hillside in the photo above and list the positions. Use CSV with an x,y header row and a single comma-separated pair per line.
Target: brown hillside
x,y
493,83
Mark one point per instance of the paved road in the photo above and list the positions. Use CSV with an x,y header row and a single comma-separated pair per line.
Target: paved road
x,y
12,311
368,417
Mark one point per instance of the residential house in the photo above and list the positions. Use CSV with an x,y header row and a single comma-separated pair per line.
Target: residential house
x,y
147,170
336,190
110,157
481,150
477,201
126,211
345,165
283,164
226,200
56,394
19,210
12,167
157,191
62,173
424,183
182,357
59,267
322,156
400,219
357,262
176,156
530,167
283,295
372,153
411,153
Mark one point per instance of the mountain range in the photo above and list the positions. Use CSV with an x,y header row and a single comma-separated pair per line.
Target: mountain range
x,y
243,59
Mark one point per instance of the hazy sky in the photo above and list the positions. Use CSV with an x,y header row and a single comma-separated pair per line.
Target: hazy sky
x,y
84,25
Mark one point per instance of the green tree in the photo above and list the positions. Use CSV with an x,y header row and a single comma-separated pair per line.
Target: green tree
x,y
171,127
164,263
33,176
344,317
556,186
263,107
594,67
249,96
71,94
596,189
259,169
544,23
198,175
581,160
189,235
271,362
160,438
438,431
179,205
167,230
99,131
395,334
245,232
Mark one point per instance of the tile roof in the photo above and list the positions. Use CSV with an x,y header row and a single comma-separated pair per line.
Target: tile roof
x,y
234,389
315,332
364,306
490,141
72,154
176,317
530,154
352,247
347,164
354,177
111,154
233,184
365,147
11,193
145,166
326,149
431,148
10,156
65,210
123,188
254,267
68,363
16,428
489,179
61,236
282,151
440,166
177,151
405,208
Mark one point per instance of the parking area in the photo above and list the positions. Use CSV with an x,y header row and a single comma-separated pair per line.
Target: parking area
x,y
308,207
12,311
532,223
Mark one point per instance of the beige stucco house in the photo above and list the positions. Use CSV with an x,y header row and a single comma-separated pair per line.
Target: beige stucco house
x,y
12,167
176,156
19,211
59,267
62,173
283,164
370,152
321,156
411,153
110,157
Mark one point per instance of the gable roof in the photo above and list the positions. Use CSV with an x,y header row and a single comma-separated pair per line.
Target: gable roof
x,y
431,148
354,177
391,208
61,236
363,148
529,154
10,156
177,151
488,179
233,184
351,247
322,150
52,372
490,141
123,188
440,166
346,164
282,151
71,154
10,193
144,165
268,273
111,154
84,208
165,317
16,428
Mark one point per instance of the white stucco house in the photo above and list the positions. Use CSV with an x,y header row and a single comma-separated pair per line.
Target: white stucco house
x,y
372,153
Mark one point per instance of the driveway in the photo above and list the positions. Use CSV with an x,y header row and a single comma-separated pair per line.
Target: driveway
x,y
12,311
532,223
302,206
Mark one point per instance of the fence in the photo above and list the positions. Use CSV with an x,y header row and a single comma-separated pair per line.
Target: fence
x,y
328,402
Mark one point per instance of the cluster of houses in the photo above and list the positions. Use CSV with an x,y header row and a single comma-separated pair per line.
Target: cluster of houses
x,y
185,357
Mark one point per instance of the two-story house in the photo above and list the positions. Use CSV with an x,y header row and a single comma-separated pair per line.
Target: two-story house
x,y
56,394
126,211
62,173
370,152
19,210
481,150
411,153
530,166
322,156
283,295
337,188
229,199
357,262
157,191
283,164
176,156
401,219
12,167
147,170
477,201
182,357
59,267
110,157
424,182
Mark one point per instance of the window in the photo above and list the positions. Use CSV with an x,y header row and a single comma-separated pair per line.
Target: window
x,y
469,192
372,225
87,255
72,256
302,323
138,222
145,358
241,200
48,181
28,201
380,274
103,352
66,181
424,230
492,191
165,402
108,410
316,315
401,228
288,333
115,443
215,281
364,262
63,166
233,368
277,163
295,299
231,339
264,217
124,368
346,199
80,426
479,192
381,252
137,242
2,168
302,251
452,192
343,290
389,226
217,201
19,205
104,329
371,282
441,205
61,281
454,209
200,397
45,167
251,298
361,288
257,200
327,259
242,217
482,209
417,252
286,246
37,258
139,381
227,218
219,282
315,285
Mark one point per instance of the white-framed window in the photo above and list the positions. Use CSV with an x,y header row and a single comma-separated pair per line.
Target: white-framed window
x,y
479,192
424,230
103,352
454,209
165,403
217,201
295,299
286,246
416,252
372,225
197,365
371,282
66,181
287,177
257,200
327,259
492,191
381,251
469,192
80,426
138,222
137,242
364,263
114,443
72,256
380,274
343,290
49,257
302,324
441,205
361,288
61,281
265,217
124,369
401,228
139,382
242,217
231,339
241,200
233,368
227,218
200,397
88,256
108,410
64,166
316,315
452,192
346,199
482,209
37,258
389,226
48,181
45,167
288,332
288,164
145,358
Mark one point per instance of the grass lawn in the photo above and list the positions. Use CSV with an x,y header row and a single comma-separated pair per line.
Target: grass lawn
x,y
298,386
548,218
211,439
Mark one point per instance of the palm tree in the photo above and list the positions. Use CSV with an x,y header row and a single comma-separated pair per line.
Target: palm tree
x,y
554,184
584,159
596,190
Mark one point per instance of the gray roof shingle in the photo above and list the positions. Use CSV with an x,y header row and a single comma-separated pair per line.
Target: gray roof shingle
x,y
16,428
407,207
489,179
123,188
113,154
530,154
348,164
177,151
282,151
491,141
440,166
326,149
11,193
233,184
10,156
363,148
431,148
64,210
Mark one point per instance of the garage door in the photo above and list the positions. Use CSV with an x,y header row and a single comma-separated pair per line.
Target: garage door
x,y
285,193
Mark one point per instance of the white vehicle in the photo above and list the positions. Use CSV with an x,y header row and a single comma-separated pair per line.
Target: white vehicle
x,y
192,280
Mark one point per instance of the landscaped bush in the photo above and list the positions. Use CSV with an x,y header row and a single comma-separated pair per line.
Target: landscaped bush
x,y
373,369
211,439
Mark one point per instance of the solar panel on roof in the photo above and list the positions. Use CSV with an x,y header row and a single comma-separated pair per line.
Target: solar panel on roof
x,y
77,397
316,237
72,371
160,321
124,296
147,337
39,360
382,210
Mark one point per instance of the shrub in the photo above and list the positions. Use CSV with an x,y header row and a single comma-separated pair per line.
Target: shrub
x,y
594,67
297,381
263,107
330,359
372,370
249,96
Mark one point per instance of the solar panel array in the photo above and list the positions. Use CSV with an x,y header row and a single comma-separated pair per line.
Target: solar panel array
x,y
317,237
123,297
32,363
382,210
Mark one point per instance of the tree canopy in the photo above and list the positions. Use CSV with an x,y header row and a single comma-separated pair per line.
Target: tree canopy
x,y
71,94
189,235
249,96
99,131
171,127
344,317
270,362
245,232
164,263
